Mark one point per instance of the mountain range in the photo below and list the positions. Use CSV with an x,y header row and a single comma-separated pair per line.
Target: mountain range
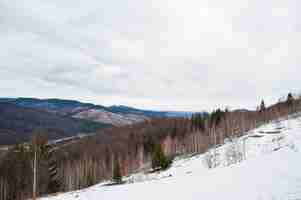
x,y
20,117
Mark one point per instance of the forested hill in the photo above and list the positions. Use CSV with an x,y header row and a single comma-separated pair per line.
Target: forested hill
x,y
59,118
17,124
114,115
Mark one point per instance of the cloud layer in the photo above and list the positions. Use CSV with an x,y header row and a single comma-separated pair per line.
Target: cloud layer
x,y
170,54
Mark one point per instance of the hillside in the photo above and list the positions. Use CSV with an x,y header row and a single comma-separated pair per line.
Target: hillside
x,y
17,124
104,116
64,118
222,138
115,115
270,170
60,106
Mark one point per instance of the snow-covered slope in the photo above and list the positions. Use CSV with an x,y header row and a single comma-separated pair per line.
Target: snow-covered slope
x,y
101,115
270,170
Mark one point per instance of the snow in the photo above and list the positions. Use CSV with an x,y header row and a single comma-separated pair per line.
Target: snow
x,y
270,171
101,115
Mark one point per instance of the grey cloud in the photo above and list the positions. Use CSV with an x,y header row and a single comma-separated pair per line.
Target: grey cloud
x,y
192,55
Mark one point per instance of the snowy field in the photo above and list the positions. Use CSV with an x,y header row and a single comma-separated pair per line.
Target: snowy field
x,y
270,169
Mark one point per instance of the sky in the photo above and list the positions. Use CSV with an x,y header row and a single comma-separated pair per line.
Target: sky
x,y
156,54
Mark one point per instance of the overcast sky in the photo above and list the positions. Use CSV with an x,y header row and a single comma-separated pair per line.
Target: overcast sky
x,y
158,54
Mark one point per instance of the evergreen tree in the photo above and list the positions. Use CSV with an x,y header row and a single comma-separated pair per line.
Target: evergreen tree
x,y
192,122
117,177
43,155
201,122
197,122
38,151
216,117
290,99
290,103
262,106
159,160
54,183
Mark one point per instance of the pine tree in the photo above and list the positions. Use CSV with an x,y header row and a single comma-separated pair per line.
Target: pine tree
x,y
201,122
216,117
262,106
43,156
54,183
192,122
290,99
159,160
117,177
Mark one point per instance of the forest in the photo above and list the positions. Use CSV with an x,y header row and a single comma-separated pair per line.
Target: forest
x,y
90,160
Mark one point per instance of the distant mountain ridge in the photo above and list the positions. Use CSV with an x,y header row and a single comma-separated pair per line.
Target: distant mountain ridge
x,y
60,118
150,113
115,115
60,106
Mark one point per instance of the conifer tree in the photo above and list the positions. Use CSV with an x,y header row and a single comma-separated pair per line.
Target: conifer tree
x,y
38,149
159,160
43,156
262,106
54,183
290,99
117,177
